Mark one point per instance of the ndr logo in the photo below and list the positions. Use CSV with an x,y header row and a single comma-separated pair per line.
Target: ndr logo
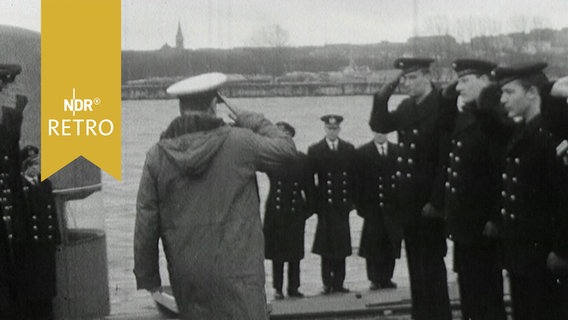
x,y
76,105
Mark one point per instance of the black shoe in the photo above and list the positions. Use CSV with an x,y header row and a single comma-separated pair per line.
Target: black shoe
x,y
374,286
388,284
326,290
278,295
295,294
341,290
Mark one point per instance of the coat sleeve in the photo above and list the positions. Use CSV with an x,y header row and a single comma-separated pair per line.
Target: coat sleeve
x,y
381,119
273,148
147,232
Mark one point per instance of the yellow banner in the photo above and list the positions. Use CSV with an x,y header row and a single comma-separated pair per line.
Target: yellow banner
x,y
80,84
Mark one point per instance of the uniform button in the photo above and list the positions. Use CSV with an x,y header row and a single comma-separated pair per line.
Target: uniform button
x,y
10,236
399,159
36,238
6,158
392,177
329,182
329,174
459,144
508,160
293,210
451,154
409,175
454,174
344,191
447,184
329,191
513,197
49,237
381,195
514,179
344,173
344,200
344,182
415,131
49,216
6,218
449,170
503,211
329,200
295,184
517,161
294,192
504,176
50,227
412,146
401,145
380,178
34,227
277,198
278,191
457,159
381,204
503,193
381,187
402,131
454,141
277,207
398,173
512,216
34,217
392,186
279,182
453,190
410,161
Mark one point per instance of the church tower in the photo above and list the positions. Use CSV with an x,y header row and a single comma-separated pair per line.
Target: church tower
x,y
179,38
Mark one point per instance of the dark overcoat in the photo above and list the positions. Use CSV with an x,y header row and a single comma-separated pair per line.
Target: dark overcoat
x,y
333,197
423,130
286,211
473,182
12,204
533,199
377,201
37,257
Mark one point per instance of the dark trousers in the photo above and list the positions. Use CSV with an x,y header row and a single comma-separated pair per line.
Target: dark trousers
x,y
293,275
536,297
480,281
380,270
425,244
333,272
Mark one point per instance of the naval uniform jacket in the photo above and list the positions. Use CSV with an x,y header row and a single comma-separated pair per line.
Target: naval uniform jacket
x,y
37,258
533,199
333,197
377,201
422,133
12,205
473,181
287,210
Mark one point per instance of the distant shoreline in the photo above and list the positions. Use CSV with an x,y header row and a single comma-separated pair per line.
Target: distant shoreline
x,y
262,90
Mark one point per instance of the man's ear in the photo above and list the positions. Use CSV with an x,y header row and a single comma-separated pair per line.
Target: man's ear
x,y
533,92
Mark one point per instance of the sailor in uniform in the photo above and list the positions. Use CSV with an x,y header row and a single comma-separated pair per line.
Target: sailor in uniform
x,y
422,122
472,199
285,218
332,164
533,199
378,204
12,204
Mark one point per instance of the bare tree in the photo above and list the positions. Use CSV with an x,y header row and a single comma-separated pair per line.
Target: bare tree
x,y
274,59
270,36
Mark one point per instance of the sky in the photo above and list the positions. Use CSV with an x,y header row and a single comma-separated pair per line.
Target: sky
x,y
148,24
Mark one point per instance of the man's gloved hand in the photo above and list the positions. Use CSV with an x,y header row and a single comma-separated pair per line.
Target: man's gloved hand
x,y
490,231
557,264
429,211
